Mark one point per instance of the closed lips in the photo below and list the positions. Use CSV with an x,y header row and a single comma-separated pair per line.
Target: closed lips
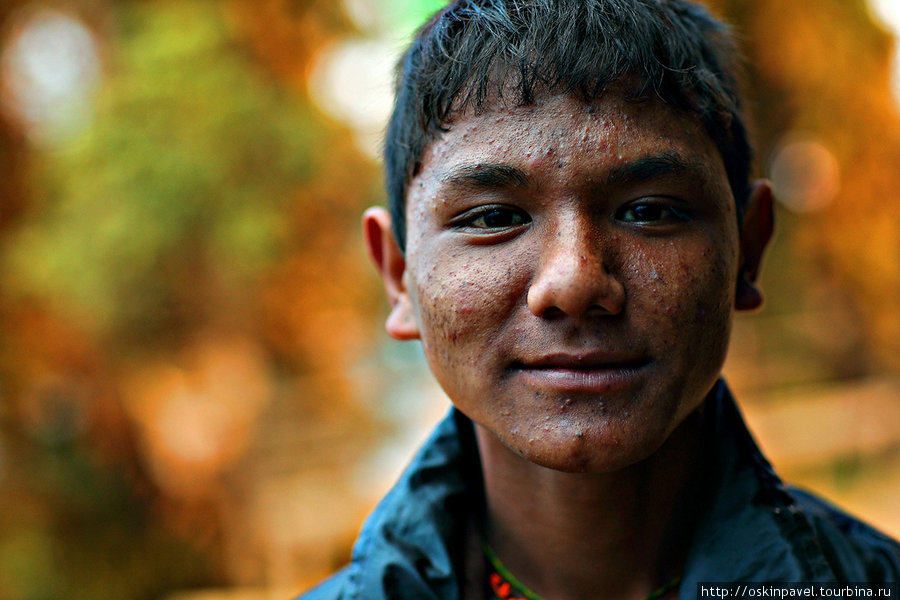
x,y
582,362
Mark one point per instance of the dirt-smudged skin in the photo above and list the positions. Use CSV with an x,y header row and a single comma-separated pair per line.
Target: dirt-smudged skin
x,y
577,310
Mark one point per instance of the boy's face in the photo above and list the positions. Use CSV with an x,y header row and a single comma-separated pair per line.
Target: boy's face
x,y
571,271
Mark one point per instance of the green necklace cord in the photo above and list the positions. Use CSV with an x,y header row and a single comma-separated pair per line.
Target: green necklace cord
x,y
523,589
506,575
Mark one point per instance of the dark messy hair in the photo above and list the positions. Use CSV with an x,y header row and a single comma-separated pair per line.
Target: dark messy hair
x,y
473,51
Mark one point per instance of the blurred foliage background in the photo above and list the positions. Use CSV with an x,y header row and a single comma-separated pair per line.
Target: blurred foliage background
x,y
196,400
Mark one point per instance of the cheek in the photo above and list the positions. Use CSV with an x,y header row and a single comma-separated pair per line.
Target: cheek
x,y
463,305
689,298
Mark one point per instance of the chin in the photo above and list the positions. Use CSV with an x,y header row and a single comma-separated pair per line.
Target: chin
x,y
573,449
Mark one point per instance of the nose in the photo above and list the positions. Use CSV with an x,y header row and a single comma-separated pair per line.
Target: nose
x,y
573,277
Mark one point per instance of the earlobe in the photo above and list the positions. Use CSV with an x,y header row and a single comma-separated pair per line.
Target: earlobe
x,y
756,232
391,264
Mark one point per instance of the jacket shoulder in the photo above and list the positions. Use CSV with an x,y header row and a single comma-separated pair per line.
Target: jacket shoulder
x,y
855,550
333,588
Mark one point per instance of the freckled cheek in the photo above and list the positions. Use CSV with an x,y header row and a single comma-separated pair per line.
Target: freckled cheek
x,y
460,312
446,315
690,300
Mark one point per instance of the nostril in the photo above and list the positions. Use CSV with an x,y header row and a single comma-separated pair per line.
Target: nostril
x,y
553,312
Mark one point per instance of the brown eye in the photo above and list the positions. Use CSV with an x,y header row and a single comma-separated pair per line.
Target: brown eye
x,y
492,218
497,219
651,213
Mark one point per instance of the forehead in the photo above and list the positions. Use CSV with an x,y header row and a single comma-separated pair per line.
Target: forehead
x,y
558,133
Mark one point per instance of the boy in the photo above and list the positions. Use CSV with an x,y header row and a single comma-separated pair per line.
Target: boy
x,y
572,225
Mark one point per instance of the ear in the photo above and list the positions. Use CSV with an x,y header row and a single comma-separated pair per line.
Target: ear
x,y
391,264
759,222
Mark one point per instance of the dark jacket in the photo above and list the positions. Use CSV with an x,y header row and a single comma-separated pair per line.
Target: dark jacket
x,y
753,528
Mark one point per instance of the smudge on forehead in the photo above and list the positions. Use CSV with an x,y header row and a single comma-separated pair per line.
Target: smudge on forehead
x,y
610,128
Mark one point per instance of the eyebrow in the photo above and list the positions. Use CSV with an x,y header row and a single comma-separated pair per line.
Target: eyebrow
x,y
486,175
651,167
500,176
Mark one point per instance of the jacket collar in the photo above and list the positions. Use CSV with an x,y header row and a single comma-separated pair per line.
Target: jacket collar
x,y
413,539
411,542
747,507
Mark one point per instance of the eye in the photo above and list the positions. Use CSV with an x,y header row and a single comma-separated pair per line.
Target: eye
x,y
491,218
652,212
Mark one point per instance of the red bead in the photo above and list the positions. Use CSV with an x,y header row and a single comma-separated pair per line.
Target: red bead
x,y
504,591
496,580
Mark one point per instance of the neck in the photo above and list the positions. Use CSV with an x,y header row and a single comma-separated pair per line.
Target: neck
x,y
613,535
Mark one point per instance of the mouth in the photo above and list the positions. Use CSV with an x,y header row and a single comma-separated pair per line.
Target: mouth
x,y
595,373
